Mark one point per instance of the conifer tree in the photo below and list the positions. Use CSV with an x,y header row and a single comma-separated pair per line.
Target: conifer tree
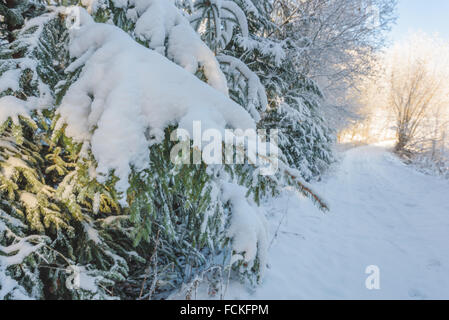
x,y
146,226
44,191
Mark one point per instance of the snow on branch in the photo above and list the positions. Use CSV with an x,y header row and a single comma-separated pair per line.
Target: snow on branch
x,y
14,254
265,47
11,107
168,32
124,96
29,44
239,15
248,228
224,16
257,97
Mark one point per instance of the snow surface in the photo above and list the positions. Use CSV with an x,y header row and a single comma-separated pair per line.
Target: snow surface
x,y
383,213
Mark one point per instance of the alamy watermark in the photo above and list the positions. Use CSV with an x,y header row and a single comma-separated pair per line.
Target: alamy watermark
x,y
228,146
372,282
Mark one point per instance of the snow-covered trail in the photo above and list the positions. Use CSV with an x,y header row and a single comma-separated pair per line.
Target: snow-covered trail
x,y
383,213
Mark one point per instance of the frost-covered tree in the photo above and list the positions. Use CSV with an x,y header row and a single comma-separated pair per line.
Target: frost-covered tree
x,y
334,42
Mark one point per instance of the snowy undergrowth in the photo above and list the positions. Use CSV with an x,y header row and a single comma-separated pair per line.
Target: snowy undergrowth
x,y
248,227
437,164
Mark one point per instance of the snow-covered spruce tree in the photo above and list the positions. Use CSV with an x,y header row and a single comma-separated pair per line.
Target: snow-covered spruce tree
x,y
47,198
295,105
296,113
86,132
259,60
24,193
259,63
168,38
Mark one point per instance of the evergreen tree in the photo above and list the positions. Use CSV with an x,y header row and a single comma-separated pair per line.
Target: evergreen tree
x,y
151,228
47,197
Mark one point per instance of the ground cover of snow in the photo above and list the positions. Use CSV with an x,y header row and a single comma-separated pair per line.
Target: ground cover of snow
x,y
383,213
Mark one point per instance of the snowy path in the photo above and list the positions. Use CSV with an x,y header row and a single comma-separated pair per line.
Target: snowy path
x,y
382,213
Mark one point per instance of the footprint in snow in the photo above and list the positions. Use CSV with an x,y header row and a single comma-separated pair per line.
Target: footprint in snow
x,y
410,205
416,294
434,263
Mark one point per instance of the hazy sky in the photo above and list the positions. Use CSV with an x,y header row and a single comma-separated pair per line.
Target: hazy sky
x,y
429,16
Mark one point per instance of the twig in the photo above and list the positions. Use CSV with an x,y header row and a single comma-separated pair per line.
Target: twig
x,y
280,223
148,269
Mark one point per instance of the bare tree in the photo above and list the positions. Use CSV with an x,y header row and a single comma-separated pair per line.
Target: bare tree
x,y
417,90
410,95
411,99
333,43
334,38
